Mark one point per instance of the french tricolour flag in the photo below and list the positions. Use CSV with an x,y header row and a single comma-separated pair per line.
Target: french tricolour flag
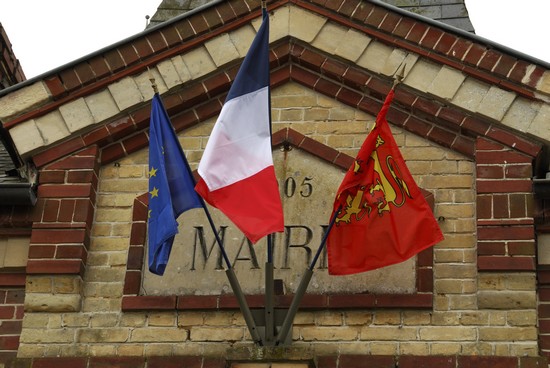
x,y
236,170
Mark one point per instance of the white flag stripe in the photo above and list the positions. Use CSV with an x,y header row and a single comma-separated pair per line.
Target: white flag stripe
x,y
234,152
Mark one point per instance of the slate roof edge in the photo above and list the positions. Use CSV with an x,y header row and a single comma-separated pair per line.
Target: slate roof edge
x,y
462,33
390,7
9,147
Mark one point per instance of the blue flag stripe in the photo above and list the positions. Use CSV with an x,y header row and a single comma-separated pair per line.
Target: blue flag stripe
x,y
254,72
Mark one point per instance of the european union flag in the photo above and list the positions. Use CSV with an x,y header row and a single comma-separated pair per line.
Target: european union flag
x,y
171,187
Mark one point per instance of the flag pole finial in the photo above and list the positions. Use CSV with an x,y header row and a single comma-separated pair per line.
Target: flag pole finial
x,y
152,79
399,76
264,4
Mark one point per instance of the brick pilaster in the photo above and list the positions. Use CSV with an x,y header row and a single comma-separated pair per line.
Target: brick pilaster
x,y
62,221
505,223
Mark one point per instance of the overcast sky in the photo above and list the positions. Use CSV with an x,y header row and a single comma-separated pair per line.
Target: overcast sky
x,y
48,34
520,25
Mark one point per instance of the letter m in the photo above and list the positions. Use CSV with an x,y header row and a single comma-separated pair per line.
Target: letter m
x,y
201,249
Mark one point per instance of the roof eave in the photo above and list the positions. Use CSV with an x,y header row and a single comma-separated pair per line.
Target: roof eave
x,y
17,194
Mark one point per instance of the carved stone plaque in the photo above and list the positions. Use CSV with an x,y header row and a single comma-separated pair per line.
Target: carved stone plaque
x,y
307,187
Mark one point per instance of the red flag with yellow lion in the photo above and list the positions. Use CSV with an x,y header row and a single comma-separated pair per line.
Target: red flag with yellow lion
x,y
383,218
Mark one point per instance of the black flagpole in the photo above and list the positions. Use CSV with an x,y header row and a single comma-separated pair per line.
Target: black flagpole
x,y
304,283
269,311
269,295
234,282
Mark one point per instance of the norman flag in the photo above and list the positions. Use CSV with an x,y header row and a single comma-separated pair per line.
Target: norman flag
x,y
384,218
170,187
236,171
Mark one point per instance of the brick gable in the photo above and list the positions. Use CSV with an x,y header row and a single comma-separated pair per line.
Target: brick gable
x,y
484,107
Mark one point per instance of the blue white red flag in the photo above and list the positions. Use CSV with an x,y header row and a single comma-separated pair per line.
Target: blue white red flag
x,y
236,170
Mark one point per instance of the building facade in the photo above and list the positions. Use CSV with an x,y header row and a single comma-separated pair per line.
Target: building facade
x,y
470,117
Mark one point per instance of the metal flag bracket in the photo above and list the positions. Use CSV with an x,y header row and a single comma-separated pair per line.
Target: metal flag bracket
x,y
400,75
153,82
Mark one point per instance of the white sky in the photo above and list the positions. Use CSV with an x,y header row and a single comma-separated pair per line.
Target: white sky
x,y
520,25
48,34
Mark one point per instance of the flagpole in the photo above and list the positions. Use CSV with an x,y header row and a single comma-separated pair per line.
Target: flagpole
x,y
230,273
269,295
234,282
152,79
304,283
269,311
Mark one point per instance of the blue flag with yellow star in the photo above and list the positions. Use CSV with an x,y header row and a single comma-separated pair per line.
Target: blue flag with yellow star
x,y
171,187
